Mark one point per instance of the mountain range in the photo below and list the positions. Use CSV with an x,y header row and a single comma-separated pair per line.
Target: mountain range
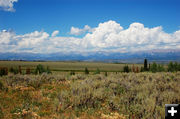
x,y
162,56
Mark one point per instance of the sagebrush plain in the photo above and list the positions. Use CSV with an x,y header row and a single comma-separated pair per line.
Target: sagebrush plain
x,y
59,95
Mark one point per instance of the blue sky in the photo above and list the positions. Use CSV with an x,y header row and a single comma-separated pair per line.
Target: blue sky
x,y
48,15
89,25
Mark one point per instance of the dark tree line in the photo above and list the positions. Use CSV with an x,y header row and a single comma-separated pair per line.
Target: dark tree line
x,y
40,69
18,70
173,67
154,67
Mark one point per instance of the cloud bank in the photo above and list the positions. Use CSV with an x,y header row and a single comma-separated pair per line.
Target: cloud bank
x,y
109,36
7,5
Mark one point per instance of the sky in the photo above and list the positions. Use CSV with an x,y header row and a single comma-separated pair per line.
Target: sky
x,y
48,26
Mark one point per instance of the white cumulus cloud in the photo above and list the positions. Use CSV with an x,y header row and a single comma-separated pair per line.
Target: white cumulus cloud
x,y
30,42
109,36
78,31
32,39
103,35
5,37
7,5
55,33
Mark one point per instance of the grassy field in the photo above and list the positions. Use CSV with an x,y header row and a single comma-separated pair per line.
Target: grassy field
x,y
67,66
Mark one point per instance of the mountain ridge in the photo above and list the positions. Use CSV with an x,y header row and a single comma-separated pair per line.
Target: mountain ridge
x,y
155,55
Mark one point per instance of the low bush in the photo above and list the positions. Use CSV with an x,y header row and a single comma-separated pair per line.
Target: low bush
x,y
1,113
106,74
40,69
3,71
86,71
173,67
1,85
72,72
97,71
14,70
126,69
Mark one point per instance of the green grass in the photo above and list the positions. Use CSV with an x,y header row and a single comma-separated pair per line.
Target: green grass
x,y
67,66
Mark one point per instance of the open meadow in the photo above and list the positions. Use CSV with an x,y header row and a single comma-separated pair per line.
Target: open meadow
x,y
67,66
111,95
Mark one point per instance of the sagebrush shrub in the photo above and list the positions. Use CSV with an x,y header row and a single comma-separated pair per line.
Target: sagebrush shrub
x,y
1,85
86,71
136,95
3,71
